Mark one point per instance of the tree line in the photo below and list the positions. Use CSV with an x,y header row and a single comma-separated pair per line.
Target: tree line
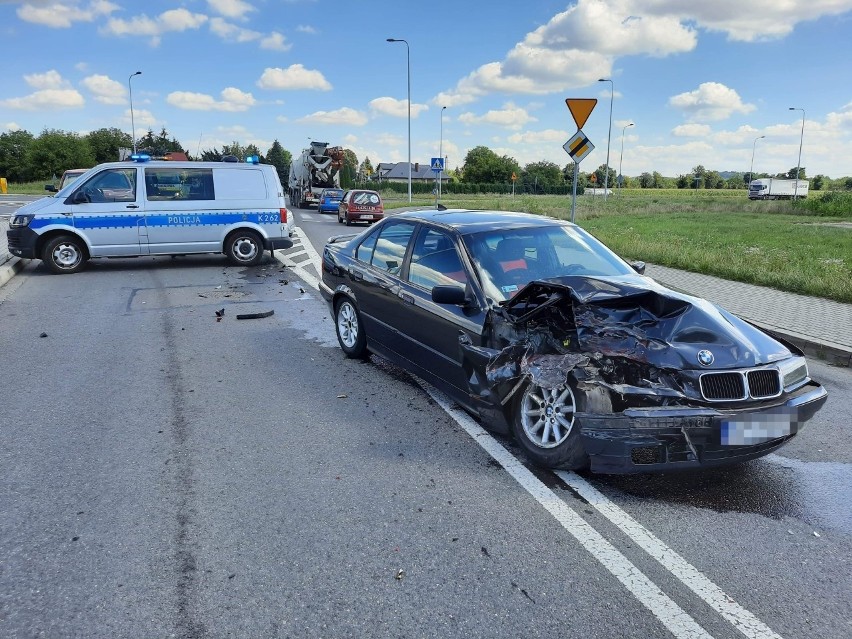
x,y
25,157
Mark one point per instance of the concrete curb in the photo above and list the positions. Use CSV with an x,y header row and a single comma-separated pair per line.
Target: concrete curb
x,y
10,269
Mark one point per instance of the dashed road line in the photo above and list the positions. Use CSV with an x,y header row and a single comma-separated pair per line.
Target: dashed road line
x,y
694,579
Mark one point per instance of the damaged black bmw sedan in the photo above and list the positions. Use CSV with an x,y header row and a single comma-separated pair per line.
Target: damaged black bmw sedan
x,y
536,327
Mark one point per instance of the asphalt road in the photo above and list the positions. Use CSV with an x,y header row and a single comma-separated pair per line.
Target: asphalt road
x,y
168,474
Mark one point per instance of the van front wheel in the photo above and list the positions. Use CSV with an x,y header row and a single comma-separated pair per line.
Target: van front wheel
x,y
244,248
64,254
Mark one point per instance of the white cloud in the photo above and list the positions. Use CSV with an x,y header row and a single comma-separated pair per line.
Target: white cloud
x,y
294,77
396,108
350,139
510,117
710,101
691,131
105,89
46,100
537,137
582,43
275,42
61,15
174,20
304,28
47,80
12,126
142,118
345,115
235,9
231,32
233,100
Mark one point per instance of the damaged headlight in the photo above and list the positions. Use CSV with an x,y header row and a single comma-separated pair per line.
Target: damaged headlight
x,y
18,221
794,372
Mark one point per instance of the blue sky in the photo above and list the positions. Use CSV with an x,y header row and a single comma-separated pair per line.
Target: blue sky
x,y
700,83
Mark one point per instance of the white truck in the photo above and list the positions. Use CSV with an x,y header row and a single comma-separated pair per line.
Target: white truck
x,y
317,168
777,189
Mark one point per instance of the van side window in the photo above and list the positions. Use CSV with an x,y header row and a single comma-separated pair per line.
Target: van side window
x,y
179,184
112,185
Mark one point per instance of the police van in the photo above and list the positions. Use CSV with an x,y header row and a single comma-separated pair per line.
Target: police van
x,y
144,207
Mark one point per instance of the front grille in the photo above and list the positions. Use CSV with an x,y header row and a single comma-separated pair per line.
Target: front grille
x,y
761,383
764,383
721,386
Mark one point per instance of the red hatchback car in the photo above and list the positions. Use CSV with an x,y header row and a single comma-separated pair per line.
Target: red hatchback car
x,y
360,206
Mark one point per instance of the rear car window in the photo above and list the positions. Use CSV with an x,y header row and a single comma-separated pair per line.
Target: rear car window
x,y
366,198
391,244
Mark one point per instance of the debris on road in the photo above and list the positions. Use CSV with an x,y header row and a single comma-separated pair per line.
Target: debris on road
x,y
220,314
43,335
400,573
260,315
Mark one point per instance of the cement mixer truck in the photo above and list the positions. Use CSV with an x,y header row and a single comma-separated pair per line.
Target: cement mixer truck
x,y
317,168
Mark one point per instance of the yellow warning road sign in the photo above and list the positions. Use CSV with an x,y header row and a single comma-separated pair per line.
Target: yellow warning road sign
x,y
581,109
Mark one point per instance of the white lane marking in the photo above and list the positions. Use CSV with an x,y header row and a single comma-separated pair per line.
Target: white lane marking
x,y
695,580
628,574
299,267
673,617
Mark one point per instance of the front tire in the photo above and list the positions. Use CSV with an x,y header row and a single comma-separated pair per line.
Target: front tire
x,y
350,329
244,248
546,426
64,254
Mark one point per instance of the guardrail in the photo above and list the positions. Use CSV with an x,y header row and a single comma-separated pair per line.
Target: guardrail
x,y
5,256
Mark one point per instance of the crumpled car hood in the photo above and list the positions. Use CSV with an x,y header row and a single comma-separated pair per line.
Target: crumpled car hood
x,y
637,319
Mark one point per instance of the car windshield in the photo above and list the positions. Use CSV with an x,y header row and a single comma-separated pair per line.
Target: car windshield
x,y
71,177
332,194
508,259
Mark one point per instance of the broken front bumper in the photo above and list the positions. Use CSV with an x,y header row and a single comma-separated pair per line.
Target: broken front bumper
x,y
670,438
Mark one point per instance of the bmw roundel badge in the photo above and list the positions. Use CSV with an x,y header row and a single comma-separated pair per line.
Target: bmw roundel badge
x,y
705,358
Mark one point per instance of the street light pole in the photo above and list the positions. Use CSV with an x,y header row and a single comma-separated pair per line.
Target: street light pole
x,y
408,66
751,170
801,139
132,122
609,134
441,152
621,177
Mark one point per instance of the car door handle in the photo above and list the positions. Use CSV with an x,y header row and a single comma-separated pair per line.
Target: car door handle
x,y
356,275
133,206
405,297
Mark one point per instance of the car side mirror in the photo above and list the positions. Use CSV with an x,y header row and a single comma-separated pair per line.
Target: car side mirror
x,y
50,187
80,197
639,267
444,294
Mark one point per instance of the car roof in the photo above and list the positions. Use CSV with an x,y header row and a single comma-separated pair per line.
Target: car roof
x,y
466,221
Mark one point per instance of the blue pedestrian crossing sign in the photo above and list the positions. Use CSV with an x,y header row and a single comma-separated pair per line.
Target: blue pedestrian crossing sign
x,y
437,164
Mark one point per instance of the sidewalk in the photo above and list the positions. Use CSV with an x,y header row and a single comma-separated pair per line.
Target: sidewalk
x,y
822,328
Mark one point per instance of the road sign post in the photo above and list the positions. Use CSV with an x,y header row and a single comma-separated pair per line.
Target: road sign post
x,y
437,165
579,146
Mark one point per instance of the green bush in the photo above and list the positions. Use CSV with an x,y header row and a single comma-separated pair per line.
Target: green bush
x,y
832,204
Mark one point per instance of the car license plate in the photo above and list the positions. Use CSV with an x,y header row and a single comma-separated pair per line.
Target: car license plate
x,y
366,217
746,430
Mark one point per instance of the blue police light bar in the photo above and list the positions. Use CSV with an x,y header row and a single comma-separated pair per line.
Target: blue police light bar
x,y
140,157
252,159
